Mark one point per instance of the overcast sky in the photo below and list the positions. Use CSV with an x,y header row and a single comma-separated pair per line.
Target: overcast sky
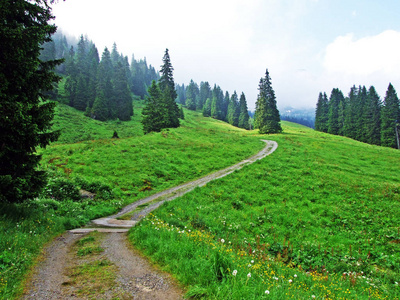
x,y
308,46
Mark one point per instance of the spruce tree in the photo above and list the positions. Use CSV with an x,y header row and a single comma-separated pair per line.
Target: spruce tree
x,y
122,95
267,118
26,117
372,117
207,108
155,110
243,113
333,112
321,113
390,117
167,87
349,129
233,110
167,79
204,94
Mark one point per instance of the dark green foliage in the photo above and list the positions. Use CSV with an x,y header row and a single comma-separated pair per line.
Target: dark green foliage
x,y
207,108
267,118
372,117
192,93
233,110
321,113
204,94
390,118
122,95
25,119
243,113
360,116
333,111
167,79
155,111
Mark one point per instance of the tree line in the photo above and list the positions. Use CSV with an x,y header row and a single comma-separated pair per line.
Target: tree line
x,y
213,102
232,109
361,115
101,87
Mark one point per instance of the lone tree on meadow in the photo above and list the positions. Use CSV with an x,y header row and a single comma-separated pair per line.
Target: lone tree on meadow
x,y
266,117
26,117
161,110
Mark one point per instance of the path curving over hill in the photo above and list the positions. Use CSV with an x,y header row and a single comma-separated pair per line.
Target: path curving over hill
x,y
136,278
157,199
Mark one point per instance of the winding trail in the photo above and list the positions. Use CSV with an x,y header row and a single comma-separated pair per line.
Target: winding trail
x,y
136,278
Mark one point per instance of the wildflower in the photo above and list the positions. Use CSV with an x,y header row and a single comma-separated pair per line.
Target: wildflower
x,y
249,275
234,272
295,275
249,266
222,241
267,292
276,278
252,261
313,296
290,280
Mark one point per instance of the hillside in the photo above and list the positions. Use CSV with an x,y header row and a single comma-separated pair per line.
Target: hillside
x,y
318,204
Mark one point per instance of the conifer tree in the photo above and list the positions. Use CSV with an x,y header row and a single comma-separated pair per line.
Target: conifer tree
x,y
333,113
390,118
321,113
215,108
167,79
207,108
233,110
243,113
267,118
167,87
349,129
204,94
153,114
372,117
26,117
122,95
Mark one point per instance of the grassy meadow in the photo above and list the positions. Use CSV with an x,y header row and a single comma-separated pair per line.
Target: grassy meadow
x,y
318,219
119,171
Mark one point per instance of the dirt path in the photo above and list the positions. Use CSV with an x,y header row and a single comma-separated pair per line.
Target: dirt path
x,y
135,277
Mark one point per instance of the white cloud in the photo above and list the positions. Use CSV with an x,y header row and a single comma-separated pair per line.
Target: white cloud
x,y
365,56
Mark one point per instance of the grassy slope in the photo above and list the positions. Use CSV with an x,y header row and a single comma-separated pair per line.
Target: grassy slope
x,y
321,203
140,165
135,165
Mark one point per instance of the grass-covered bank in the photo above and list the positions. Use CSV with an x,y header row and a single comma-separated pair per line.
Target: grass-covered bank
x,y
118,171
141,165
323,208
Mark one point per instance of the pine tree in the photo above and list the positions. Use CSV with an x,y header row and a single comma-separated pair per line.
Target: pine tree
x,y
122,95
321,113
233,110
372,117
207,108
390,117
153,114
333,112
215,108
243,113
26,117
167,87
192,93
349,129
104,91
267,118
204,94
167,79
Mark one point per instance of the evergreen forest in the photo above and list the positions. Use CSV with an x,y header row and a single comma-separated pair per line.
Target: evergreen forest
x,y
362,115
